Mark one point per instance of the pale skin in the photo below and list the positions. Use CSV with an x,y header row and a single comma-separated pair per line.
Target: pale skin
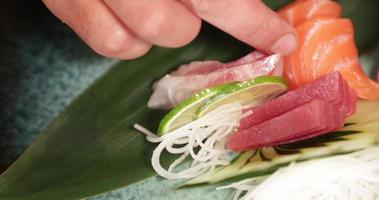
x,y
127,29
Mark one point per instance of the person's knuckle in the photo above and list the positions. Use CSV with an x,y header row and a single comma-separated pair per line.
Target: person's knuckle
x,y
154,25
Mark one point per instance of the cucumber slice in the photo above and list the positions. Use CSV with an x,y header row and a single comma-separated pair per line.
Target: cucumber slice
x,y
361,131
253,91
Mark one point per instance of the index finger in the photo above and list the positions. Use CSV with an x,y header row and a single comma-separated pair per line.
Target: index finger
x,y
250,21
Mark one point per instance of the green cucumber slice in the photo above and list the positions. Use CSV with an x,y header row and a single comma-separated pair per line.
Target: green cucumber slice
x,y
361,131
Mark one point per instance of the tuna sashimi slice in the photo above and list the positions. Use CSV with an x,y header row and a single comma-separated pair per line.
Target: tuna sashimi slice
x,y
314,118
331,88
205,67
171,90
334,120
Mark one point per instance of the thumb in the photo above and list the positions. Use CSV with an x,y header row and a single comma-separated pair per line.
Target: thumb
x,y
250,21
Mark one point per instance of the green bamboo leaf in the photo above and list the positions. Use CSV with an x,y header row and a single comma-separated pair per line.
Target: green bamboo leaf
x,y
93,141
91,147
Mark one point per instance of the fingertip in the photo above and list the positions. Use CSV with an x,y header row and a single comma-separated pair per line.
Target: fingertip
x,y
285,45
135,52
250,21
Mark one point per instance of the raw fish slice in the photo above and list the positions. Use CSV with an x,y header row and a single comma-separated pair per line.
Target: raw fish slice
x,y
358,81
330,88
198,67
300,67
300,11
313,117
205,67
318,60
171,90
249,58
311,61
334,120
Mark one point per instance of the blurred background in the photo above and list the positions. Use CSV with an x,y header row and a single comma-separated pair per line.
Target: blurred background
x,y
43,67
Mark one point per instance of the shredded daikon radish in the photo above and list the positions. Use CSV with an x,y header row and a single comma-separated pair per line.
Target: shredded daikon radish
x,y
204,140
353,176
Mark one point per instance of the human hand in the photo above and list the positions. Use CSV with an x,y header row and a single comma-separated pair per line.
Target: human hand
x,y
127,29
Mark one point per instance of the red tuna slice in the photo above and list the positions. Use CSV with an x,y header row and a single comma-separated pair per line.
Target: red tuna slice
x,y
171,90
349,101
205,67
330,87
314,118
334,120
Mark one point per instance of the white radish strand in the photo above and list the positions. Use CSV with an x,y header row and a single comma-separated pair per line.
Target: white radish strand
x,y
353,176
203,139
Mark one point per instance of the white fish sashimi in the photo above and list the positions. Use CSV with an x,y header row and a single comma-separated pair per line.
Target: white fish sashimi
x,y
181,84
204,67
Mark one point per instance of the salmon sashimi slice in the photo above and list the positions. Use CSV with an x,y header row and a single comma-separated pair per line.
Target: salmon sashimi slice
x,y
363,86
204,67
317,57
301,11
327,45
172,90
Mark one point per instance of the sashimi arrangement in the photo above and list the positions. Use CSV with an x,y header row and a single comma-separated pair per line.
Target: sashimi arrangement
x,y
249,117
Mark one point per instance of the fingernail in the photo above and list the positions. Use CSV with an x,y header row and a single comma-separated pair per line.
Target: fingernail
x,y
285,45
